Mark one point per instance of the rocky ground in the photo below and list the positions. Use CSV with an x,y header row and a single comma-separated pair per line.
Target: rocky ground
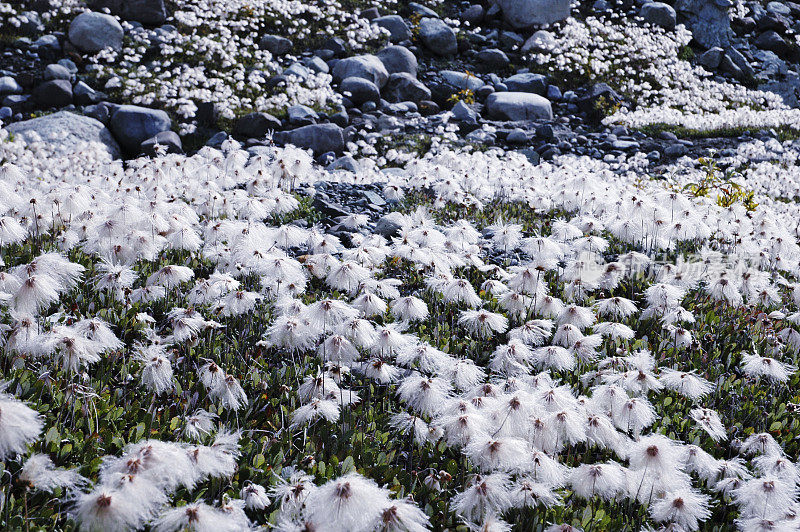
x,y
454,72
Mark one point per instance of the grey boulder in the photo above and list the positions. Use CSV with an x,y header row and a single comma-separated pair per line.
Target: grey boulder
x,y
9,85
132,125
99,112
540,41
740,62
517,136
473,14
493,58
365,66
319,138
398,59
403,87
659,14
464,113
255,125
389,225
168,140
298,70
526,13
461,80
518,106
422,10
438,37
92,32
346,163
316,64
68,130
151,12
709,21
711,59
275,44
54,93
56,71
395,25
301,115
360,90
84,94
772,41
529,82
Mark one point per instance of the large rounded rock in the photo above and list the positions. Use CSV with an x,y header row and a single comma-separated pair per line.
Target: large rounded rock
x,y
772,41
473,15
132,125
360,90
526,13
659,14
711,59
255,125
403,87
275,44
92,32
151,12
319,138
709,21
493,59
54,93
518,106
398,59
9,85
301,115
395,25
528,82
67,130
540,41
438,37
365,66
56,71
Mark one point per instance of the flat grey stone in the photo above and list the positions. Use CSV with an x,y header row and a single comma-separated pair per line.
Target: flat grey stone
x,y
517,106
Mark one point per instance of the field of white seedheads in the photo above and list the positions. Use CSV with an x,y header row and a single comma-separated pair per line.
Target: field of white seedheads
x,y
187,343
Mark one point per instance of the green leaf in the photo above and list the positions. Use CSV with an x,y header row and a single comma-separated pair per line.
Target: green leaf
x,y
139,430
258,460
348,465
52,436
587,516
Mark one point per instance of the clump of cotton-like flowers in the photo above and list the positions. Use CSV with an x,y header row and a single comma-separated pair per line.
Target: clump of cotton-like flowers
x,y
20,426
